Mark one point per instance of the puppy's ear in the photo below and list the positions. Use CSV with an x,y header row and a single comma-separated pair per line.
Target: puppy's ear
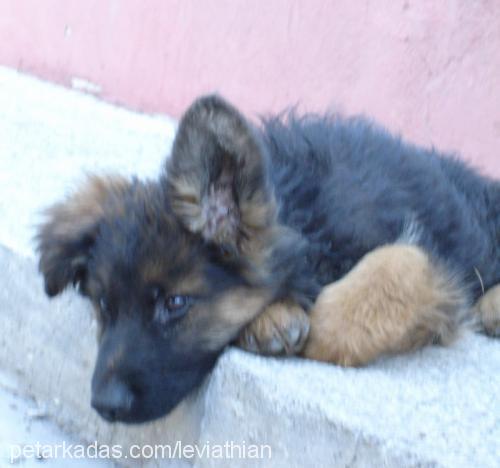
x,y
66,236
216,176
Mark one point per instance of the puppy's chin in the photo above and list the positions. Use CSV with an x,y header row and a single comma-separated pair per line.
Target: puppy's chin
x,y
141,415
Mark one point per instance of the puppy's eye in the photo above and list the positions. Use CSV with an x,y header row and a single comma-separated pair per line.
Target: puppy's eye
x,y
172,308
176,303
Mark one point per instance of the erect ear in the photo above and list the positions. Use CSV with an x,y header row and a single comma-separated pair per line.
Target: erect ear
x,y
69,230
216,176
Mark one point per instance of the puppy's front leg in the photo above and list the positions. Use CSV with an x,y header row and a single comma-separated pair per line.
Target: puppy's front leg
x,y
395,299
282,328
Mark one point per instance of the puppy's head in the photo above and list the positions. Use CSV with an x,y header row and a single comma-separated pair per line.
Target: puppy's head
x,y
174,268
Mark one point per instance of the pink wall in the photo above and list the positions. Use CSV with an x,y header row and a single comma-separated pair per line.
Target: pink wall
x,y
430,69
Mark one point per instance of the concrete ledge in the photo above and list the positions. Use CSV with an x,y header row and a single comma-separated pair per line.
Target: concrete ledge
x,y
437,407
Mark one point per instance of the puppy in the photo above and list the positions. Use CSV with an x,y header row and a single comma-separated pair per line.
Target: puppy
x,y
315,235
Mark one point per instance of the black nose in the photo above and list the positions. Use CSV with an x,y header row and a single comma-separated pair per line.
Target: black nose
x,y
113,400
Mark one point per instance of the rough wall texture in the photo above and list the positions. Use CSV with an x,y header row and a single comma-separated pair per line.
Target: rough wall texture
x,y
428,69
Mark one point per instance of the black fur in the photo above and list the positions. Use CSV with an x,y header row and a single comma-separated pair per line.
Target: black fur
x,y
349,186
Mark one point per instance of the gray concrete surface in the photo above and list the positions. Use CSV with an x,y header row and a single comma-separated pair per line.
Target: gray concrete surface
x,y
437,407
24,424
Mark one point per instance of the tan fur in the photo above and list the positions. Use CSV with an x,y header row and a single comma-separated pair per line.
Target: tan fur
x,y
256,218
85,206
281,329
215,325
393,301
193,284
487,309
259,228
75,218
187,201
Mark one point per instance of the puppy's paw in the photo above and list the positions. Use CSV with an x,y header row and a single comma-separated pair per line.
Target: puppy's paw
x,y
488,311
282,329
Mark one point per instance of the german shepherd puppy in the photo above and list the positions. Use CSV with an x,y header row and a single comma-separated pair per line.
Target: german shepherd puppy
x,y
317,235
